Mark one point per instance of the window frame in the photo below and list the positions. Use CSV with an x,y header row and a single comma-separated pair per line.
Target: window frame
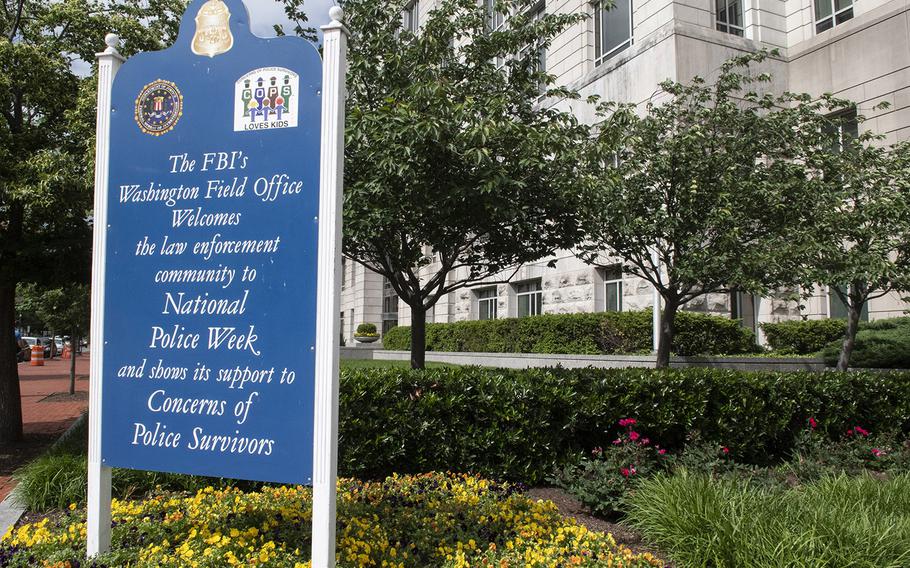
x,y
613,276
389,295
835,17
600,58
490,302
832,297
410,17
535,12
535,297
732,29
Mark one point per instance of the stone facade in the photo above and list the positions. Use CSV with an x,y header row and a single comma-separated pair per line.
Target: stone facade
x,y
865,58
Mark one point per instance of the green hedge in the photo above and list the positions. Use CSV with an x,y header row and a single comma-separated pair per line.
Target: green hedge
x,y
591,334
520,424
803,337
882,344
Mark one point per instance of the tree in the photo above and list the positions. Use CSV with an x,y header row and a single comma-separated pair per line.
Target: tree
x,y
706,194
454,171
862,236
65,309
46,146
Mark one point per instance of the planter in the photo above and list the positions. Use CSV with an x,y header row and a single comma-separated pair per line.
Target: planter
x,y
366,338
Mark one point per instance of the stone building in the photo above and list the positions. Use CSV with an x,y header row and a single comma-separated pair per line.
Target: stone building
x,y
859,50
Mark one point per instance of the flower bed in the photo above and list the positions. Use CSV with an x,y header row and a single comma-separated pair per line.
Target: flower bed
x,y
420,521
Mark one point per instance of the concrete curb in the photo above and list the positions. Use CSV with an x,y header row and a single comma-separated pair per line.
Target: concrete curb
x,y
569,361
10,512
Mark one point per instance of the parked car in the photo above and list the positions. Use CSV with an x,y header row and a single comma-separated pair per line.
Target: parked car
x,y
25,350
32,341
47,342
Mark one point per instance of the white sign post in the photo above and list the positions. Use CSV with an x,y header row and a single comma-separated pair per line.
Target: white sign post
x,y
99,476
331,189
325,438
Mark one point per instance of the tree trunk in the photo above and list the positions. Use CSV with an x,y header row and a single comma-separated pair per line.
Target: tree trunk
x,y
73,341
10,396
667,329
418,337
853,312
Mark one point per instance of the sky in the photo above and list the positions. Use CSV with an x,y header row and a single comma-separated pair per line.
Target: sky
x,y
266,13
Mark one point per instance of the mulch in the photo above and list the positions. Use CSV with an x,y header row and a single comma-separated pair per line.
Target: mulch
x,y
569,506
16,455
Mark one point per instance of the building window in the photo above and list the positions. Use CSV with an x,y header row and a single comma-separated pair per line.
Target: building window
x,y
409,18
830,13
389,306
487,301
729,16
495,18
837,309
341,330
536,51
843,126
612,29
613,289
530,298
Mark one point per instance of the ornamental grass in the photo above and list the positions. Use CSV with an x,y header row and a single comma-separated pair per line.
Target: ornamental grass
x,y
426,520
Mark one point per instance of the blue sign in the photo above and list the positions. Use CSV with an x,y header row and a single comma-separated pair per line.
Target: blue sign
x,y
210,286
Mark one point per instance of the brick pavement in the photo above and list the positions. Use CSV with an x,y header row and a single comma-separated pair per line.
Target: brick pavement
x,y
48,419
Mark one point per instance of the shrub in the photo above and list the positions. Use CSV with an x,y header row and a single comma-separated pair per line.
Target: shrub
x,y
855,451
366,330
428,520
602,480
701,334
702,522
522,424
882,346
586,334
803,337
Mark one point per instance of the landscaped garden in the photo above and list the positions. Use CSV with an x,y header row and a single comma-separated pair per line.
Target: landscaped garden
x,y
703,467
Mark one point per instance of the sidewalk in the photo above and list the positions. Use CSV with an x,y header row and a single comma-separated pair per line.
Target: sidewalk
x,y
43,418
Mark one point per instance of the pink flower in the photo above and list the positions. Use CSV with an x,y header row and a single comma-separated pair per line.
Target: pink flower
x,y
877,452
633,435
849,432
725,450
627,422
661,451
624,471
644,441
860,431
812,423
597,451
617,441
632,470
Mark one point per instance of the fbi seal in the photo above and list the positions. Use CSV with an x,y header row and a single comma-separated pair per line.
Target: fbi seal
x,y
158,107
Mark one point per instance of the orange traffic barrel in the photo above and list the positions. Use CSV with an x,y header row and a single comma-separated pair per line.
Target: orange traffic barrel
x,y
37,355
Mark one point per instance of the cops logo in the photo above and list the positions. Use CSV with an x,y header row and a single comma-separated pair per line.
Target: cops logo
x,y
158,107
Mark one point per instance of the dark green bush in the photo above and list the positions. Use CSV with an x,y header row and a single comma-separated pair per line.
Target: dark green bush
x,y
366,329
521,424
803,337
877,347
591,334
701,334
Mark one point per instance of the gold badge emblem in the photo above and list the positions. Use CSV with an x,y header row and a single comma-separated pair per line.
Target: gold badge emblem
x,y
213,29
